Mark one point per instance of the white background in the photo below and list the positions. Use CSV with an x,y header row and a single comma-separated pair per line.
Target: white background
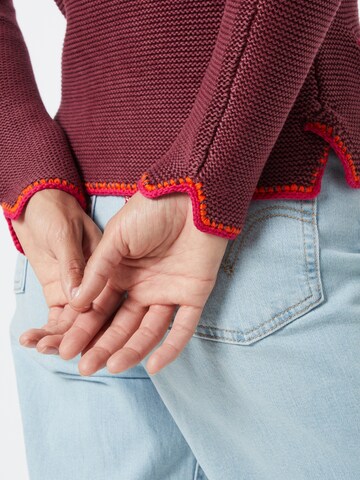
x,y
43,28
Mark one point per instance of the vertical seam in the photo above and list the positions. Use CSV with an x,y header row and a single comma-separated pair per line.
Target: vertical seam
x,y
93,203
196,472
238,63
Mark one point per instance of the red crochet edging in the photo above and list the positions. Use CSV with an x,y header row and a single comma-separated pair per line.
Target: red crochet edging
x,y
335,142
198,199
12,212
295,191
195,190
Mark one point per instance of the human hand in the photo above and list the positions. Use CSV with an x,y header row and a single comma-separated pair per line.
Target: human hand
x,y
151,250
57,237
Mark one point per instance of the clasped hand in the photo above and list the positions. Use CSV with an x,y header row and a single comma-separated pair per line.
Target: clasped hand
x,y
150,266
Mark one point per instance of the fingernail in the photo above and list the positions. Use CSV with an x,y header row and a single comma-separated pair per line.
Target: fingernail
x,y
51,350
75,292
28,343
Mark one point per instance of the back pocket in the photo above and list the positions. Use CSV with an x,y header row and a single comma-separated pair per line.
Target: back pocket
x,y
269,275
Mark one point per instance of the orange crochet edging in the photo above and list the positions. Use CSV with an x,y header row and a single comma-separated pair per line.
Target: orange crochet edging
x,y
194,189
196,192
58,183
12,212
111,188
294,187
334,142
337,144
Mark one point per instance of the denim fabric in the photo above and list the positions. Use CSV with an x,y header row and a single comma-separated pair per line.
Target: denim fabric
x,y
268,388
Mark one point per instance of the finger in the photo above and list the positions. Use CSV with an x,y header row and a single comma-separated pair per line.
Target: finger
x,y
53,333
152,329
87,324
67,248
31,337
91,238
100,266
97,337
124,324
52,344
184,325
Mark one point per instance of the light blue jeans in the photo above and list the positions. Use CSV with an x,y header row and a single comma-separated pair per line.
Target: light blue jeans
x,y
268,388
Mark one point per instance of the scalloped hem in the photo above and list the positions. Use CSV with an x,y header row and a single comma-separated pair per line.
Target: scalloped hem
x,y
198,199
195,189
301,192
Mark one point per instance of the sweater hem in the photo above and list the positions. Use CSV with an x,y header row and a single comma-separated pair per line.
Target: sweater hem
x,y
294,191
198,199
195,189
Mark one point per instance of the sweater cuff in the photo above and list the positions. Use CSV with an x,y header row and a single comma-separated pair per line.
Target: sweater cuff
x,y
13,211
200,199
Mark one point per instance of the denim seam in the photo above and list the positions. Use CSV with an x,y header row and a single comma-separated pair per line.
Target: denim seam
x,y
20,279
316,248
93,203
228,266
287,319
196,471
252,218
275,327
246,332
256,213
305,249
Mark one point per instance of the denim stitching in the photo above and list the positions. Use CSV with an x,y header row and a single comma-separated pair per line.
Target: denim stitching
x,y
314,229
196,471
275,327
93,203
286,320
246,332
305,252
249,219
228,266
19,283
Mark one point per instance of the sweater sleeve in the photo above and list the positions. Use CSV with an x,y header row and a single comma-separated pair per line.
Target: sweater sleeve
x,y
34,153
262,54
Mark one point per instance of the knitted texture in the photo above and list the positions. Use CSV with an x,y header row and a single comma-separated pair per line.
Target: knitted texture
x,y
225,100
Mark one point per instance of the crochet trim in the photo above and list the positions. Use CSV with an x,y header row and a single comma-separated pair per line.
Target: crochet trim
x,y
111,188
201,220
198,198
337,144
12,212
308,192
194,189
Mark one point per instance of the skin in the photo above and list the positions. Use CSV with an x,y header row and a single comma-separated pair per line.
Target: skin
x,y
151,250
57,237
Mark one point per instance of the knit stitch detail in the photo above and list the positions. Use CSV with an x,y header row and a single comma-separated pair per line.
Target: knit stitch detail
x,y
221,100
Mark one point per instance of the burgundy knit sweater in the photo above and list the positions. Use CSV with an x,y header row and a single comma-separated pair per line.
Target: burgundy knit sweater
x,y
226,100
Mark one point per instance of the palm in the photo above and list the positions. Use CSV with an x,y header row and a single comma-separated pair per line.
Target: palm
x,y
58,237
60,314
47,272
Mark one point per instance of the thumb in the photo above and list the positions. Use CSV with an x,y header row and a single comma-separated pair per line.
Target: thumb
x,y
71,264
101,265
